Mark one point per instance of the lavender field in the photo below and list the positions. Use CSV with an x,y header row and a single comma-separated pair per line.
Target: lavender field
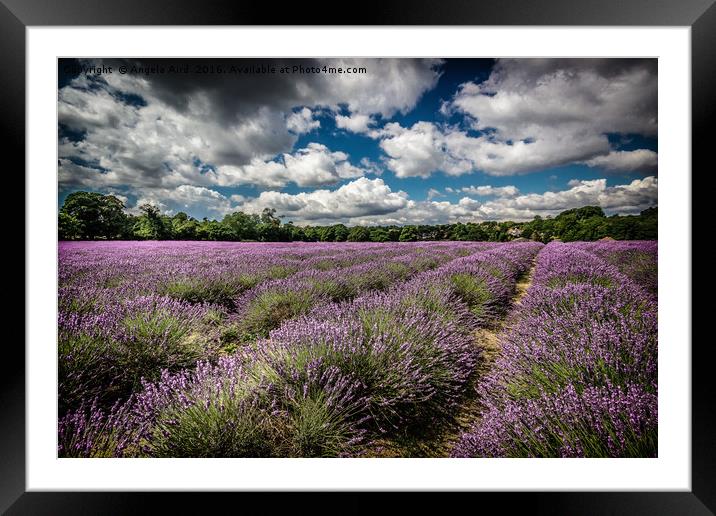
x,y
462,349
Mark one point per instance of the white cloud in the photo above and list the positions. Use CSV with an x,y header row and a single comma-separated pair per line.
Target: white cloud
x,y
122,198
371,167
302,122
356,123
144,132
522,97
433,193
188,198
239,118
420,151
640,159
184,138
142,144
152,201
388,87
487,190
361,197
638,194
623,199
425,148
630,198
314,165
534,114
366,201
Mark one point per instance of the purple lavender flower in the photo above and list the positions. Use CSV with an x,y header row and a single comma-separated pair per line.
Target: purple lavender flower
x,y
578,367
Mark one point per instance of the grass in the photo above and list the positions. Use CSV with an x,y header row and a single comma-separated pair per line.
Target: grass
x,y
86,370
280,271
220,292
581,434
561,281
316,430
108,369
270,308
336,290
472,290
226,426
157,341
79,305
432,302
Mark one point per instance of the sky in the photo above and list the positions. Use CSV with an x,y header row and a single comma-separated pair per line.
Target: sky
x,y
397,141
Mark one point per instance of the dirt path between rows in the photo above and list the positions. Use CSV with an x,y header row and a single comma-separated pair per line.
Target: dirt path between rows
x,y
440,441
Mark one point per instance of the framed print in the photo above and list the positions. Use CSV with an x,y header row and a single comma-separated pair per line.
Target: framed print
x,y
412,252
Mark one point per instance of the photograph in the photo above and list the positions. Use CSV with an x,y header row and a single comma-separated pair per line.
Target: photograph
x,y
357,257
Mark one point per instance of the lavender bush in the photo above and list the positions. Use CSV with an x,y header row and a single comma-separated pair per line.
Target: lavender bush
x,y
344,354
578,369
186,349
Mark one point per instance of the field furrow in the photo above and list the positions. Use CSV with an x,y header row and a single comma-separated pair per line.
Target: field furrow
x,y
577,372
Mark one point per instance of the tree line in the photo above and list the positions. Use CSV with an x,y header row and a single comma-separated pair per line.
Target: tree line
x,y
94,216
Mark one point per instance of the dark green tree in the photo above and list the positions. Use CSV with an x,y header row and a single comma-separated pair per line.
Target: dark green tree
x,y
243,226
340,233
91,215
409,234
379,235
150,225
68,227
359,234
183,227
95,215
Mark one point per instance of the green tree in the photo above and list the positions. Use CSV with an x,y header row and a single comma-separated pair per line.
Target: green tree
x,y
311,234
268,232
359,234
68,227
91,215
268,216
294,233
379,235
183,227
458,232
150,225
325,233
217,231
340,233
584,212
394,233
95,215
243,226
409,234
475,232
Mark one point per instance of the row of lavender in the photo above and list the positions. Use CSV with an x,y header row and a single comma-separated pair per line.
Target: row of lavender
x,y
212,272
128,311
326,382
577,375
635,259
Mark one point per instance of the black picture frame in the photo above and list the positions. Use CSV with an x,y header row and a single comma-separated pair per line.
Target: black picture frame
x,y
16,15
